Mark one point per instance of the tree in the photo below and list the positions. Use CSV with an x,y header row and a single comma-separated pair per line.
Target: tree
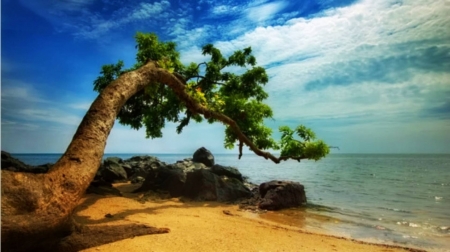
x,y
37,208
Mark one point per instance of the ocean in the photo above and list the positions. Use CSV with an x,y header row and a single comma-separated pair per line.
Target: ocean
x,y
399,199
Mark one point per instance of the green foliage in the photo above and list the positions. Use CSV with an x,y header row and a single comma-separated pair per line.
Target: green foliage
x,y
108,74
238,96
306,147
150,48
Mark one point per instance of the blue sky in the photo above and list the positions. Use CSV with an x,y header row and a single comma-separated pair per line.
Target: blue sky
x,y
367,76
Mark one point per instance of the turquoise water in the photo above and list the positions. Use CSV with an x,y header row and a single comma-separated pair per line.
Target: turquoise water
x,y
395,199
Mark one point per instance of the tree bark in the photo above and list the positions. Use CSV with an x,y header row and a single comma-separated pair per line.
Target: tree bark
x,y
37,208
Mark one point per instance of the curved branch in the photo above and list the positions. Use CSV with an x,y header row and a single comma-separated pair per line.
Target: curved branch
x,y
193,106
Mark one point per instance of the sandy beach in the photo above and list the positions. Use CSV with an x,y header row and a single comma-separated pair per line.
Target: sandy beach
x,y
203,226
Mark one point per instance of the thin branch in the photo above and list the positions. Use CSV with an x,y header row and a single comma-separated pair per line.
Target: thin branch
x,y
241,144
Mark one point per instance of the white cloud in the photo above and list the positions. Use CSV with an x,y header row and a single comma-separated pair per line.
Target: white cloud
x,y
264,12
338,45
81,105
221,9
77,17
369,67
148,10
17,90
22,103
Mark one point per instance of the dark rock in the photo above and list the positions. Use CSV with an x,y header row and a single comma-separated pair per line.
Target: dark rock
x,y
113,172
204,156
140,166
196,181
128,169
168,178
102,188
146,159
42,168
230,172
116,160
13,164
137,179
277,195
202,184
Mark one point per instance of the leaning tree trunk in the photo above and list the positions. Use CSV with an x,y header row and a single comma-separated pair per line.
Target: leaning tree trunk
x,y
37,208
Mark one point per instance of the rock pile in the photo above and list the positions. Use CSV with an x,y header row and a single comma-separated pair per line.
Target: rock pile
x,y
196,178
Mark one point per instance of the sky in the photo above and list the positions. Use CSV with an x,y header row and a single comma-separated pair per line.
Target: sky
x,y
370,76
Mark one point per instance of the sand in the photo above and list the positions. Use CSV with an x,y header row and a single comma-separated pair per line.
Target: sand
x,y
203,226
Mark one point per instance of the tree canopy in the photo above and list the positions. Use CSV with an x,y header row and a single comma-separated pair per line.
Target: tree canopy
x,y
214,85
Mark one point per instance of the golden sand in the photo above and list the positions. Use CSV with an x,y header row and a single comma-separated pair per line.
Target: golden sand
x,y
200,226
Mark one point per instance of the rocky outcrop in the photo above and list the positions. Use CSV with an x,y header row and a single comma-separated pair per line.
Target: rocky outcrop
x,y
204,156
205,185
113,171
195,178
196,181
13,164
230,172
170,178
275,195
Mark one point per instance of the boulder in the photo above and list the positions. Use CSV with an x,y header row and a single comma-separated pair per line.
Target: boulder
x,y
196,181
102,188
204,156
230,172
113,172
42,168
170,178
137,179
277,195
13,164
204,185
141,165
116,160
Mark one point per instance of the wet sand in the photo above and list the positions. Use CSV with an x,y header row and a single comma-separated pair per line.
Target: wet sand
x,y
205,226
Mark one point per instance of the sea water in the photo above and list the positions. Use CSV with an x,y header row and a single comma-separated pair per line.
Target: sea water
x,y
386,198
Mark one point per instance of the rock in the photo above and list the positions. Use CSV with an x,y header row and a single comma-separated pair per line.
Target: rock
x,y
141,165
137,179
13,164
227,171
204,185
116,160
196,181
145,159
113,172
277,195
42,168
170,178
204,156
102,188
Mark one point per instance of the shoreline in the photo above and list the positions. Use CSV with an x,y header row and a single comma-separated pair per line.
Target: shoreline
x,y
206,226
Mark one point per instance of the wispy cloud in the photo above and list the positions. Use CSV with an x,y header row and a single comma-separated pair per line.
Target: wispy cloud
x,y
378,51
81,19
148,10
264,12
24,104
